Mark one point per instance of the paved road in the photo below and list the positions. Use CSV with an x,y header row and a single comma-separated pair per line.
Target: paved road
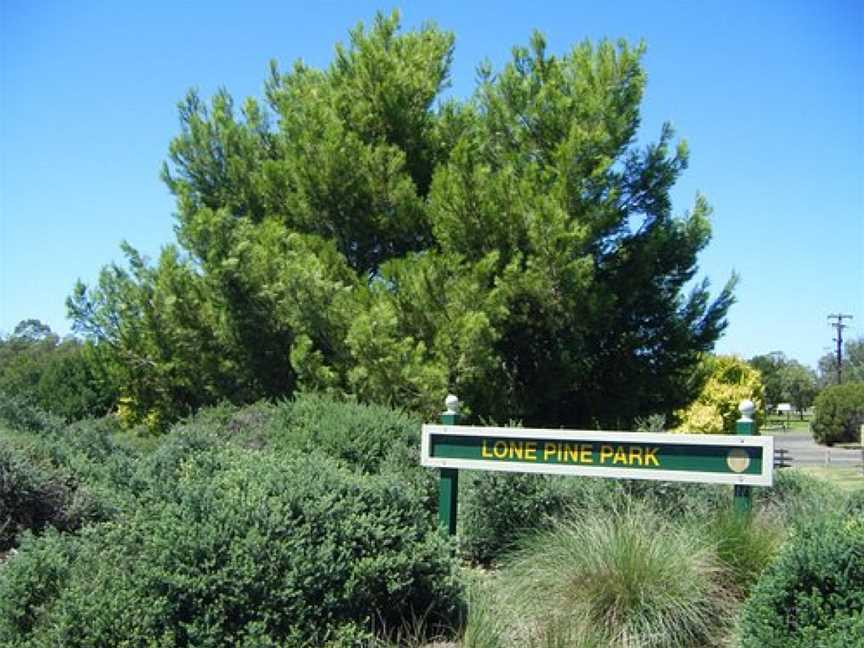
x,y
805,452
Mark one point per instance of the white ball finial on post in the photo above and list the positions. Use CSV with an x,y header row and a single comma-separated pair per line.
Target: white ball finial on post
x,y
452,404
747,408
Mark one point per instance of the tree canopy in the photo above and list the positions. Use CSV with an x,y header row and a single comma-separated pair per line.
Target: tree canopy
x,y
361,234
786,380
60,376
853,364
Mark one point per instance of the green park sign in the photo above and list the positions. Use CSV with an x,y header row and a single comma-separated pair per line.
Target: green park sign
x,y
723,459
743,460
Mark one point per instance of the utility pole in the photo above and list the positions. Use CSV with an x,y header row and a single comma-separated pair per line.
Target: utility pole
x,y
839,325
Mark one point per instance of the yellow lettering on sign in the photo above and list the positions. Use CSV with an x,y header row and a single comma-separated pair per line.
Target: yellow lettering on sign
x,y
500,449
606,452
650,455
566,452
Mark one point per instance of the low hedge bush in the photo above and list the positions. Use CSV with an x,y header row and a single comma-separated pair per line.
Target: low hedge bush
x,y
812,596
797,496
244,548
33,498
838,414
18,413
497,509
368,438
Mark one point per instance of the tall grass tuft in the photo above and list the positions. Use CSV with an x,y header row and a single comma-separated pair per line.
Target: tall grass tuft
x,y
745,545
484,626
626,578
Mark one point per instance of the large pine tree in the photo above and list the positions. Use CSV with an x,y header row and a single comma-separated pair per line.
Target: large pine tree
x,y
360,235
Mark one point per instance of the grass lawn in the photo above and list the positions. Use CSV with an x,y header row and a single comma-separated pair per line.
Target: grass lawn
x,y
779,424
849,479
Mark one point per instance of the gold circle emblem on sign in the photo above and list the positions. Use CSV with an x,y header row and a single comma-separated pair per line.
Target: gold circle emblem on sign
x,y
738,460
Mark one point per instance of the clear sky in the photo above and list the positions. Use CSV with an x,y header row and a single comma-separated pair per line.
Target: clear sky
x,y
768,95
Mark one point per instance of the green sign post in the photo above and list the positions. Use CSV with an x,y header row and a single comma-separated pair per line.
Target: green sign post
x,y
448,487
743,460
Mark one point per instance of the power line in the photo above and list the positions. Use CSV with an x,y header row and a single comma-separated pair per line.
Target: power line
x,y
839,325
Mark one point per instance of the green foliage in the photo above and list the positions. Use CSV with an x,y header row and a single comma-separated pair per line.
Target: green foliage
x,y
19,413
715,410
813,594
96,469
367,438
621,578
41,567
240,547
796,495
839,413
371,439
59,376
745,545
499,508
357,235
33,499
853,364
786,381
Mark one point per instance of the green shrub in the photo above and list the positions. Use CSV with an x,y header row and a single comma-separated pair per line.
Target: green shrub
x,y
41,567
34,498
370,438
244,548
838,414
18,413
797,496
675,499
86,457
367,438
813,595
498,508
618,578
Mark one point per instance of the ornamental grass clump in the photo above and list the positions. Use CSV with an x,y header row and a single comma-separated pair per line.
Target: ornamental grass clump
x,y
619,578
745,545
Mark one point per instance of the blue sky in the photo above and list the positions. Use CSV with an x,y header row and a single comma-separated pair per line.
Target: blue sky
x,y
768,95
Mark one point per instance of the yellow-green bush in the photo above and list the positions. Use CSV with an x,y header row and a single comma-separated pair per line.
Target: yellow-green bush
x,y
730,381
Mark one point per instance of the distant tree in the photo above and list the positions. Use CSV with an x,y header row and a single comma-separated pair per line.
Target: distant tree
x,y
853,364
364,236
60,376
786,381
730,380
770,366
839,414
798,385
32,330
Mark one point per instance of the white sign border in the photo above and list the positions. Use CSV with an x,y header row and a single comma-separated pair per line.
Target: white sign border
x,y
765,478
